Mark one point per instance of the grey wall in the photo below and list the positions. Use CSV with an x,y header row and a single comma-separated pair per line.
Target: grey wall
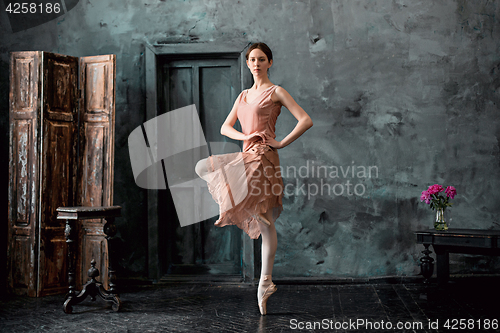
x,y
410,88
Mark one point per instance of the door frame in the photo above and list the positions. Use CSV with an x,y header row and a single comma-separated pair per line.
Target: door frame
x,y
250,261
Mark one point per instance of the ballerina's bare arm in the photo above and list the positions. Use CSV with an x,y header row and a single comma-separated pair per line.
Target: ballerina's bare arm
x,y
227,127
304,121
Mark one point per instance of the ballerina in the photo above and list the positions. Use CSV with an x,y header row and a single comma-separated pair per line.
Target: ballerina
x,y
257,109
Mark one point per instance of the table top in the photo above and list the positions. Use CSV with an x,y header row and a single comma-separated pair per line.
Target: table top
x,y
461,232
87,209
75,213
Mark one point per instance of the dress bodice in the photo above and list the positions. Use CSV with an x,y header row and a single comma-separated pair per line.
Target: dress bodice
x,y
258,115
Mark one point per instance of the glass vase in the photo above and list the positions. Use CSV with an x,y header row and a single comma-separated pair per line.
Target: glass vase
x,y
440,223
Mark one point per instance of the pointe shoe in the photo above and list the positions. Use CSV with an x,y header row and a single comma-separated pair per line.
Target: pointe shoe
x,y
271,289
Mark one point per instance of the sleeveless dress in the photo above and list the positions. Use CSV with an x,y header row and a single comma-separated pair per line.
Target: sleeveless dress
x,y
248,183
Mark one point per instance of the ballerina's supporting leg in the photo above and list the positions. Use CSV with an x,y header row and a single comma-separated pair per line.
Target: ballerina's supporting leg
x,y
269,246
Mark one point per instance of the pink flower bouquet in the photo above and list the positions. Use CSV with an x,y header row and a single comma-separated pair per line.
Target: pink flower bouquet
x,y
436,200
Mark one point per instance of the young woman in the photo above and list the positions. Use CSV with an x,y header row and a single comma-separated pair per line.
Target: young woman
x,y
256,211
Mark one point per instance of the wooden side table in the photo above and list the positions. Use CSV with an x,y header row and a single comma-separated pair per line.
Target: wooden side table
x,y
92,288
469,241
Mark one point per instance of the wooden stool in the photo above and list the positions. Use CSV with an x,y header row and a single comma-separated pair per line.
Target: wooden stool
x,y
92,288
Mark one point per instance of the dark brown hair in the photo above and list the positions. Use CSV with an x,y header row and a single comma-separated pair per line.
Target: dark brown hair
x,y
263,47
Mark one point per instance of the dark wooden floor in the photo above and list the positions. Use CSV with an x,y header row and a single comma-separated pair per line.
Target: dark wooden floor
x,y
294,308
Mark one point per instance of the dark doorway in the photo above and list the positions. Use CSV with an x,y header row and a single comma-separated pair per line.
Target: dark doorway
x,y
211,82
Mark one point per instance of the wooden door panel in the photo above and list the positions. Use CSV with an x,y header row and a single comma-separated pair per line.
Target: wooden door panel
x,y
60,75
179,92
179,246
58,191
210,84
92,175
24,78
58,160
22,251
97,75
58,170
22,276
97,83
54,277
217,82
215,92
23,146
95,175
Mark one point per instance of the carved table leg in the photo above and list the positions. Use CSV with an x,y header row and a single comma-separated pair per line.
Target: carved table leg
x,y
112,293
70,233
89,289
427,264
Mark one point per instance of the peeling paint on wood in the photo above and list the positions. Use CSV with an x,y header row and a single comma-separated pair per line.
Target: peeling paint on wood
x,y
46,113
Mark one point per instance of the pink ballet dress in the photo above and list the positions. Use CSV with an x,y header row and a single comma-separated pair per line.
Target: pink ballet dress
x,y
256,185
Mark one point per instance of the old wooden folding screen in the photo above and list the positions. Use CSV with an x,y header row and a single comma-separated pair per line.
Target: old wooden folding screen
x,y
61,154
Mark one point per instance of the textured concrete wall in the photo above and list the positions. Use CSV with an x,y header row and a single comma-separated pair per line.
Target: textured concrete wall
x,y
408,88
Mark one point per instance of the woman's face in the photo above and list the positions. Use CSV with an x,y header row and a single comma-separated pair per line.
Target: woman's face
x,y
258,63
